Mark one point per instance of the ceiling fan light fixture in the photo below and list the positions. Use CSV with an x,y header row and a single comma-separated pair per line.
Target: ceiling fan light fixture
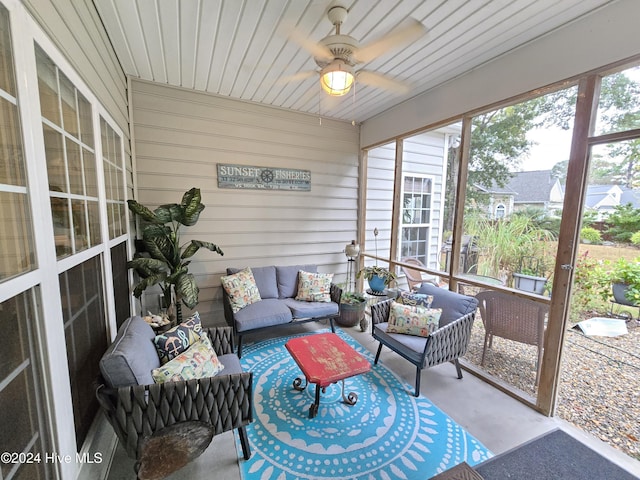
x,y
336,78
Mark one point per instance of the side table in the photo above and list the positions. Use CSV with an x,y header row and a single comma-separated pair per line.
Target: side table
x,y
373,298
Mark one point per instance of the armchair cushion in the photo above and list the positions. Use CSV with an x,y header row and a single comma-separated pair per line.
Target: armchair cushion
x,y
198,361
241,288
131,357
453,305
300,309
413,319
173,342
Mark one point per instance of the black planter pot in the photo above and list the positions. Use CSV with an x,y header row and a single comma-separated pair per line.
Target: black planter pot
x,y
619,291
351,314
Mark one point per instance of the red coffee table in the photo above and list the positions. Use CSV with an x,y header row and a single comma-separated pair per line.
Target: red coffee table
x,y
325,358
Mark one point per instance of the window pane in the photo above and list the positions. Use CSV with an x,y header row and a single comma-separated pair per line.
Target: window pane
x,y
54,153
68,96
17,253
22,424
47,87
80,224
11,154
86,337
619,103
90,174
120,282
86,121
61,225
7,78
94,222
75,167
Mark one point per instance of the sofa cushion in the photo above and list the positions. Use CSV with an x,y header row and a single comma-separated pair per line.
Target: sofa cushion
x,y
241,289
453,305
173,342
301,309
288,279
132,355
198,361
265,278
314,287
231,363
265,313
413,319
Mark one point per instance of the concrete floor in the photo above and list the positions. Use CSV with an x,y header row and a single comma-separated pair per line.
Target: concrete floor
x,y
495,419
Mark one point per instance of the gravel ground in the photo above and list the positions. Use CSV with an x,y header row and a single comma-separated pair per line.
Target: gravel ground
x,y
600,380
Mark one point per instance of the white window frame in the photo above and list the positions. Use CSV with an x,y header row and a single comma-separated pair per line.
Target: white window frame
x,y
428,226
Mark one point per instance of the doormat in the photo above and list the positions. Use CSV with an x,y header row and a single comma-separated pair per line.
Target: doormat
x,y
388,433
552,456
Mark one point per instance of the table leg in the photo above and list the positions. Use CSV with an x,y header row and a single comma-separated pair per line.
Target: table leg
x,y
313,410
350,399
297,384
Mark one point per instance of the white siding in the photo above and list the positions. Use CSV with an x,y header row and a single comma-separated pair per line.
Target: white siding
x,y
424,155
180,137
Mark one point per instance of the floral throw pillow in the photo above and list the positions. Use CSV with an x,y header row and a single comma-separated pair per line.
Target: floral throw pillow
x,y
413,319
241,289
198,361
173,342
314,287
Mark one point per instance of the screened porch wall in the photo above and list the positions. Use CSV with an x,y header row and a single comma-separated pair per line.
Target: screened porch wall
x,y
181,136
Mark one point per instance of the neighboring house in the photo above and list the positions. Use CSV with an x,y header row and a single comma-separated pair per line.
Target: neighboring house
x,y
603,199
536,189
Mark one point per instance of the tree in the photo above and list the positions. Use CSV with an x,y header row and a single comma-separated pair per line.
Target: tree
x,y
499,143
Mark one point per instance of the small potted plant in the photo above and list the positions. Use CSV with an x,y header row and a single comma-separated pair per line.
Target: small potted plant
x,y
625,281
529,277
352,307
378,277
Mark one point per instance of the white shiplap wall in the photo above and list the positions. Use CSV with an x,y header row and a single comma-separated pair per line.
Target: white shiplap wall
x,y
181,135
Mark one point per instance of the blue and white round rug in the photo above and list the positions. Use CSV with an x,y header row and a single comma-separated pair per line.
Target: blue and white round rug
x,y
387,434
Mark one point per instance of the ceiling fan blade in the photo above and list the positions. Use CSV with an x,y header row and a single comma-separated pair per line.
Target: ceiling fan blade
x,y
408,31
317,50
296,77
378,80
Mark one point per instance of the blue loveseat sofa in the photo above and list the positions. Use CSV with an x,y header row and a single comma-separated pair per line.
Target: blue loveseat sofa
x,y
278,287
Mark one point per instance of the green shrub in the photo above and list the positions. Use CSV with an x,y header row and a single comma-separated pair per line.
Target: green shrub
x,y
590,235
635,238
591,286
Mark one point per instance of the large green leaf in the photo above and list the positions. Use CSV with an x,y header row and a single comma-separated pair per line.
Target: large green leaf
x,y
157,240
147,282
191,207
164,212
143,212
187,290
195,245
146,266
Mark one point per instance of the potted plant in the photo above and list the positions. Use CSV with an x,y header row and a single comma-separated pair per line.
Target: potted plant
x,y
164,261
352,307
529,277
625,281
378,277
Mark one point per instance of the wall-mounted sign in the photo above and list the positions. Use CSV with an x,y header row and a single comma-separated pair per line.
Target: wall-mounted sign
x,y
266,178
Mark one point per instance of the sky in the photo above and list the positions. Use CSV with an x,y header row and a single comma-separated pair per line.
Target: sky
x,y
552,146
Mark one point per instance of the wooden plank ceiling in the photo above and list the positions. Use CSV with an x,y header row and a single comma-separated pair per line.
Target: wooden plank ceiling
x,y
242,48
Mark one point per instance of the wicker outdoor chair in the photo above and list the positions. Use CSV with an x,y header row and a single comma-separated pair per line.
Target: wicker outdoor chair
x,y
164,426
413,276
447,344
514,318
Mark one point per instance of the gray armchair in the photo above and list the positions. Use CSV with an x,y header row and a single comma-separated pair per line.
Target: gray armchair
x,y
145,415
447,344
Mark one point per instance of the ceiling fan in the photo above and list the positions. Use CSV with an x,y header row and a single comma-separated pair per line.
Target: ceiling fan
x,y
338,54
